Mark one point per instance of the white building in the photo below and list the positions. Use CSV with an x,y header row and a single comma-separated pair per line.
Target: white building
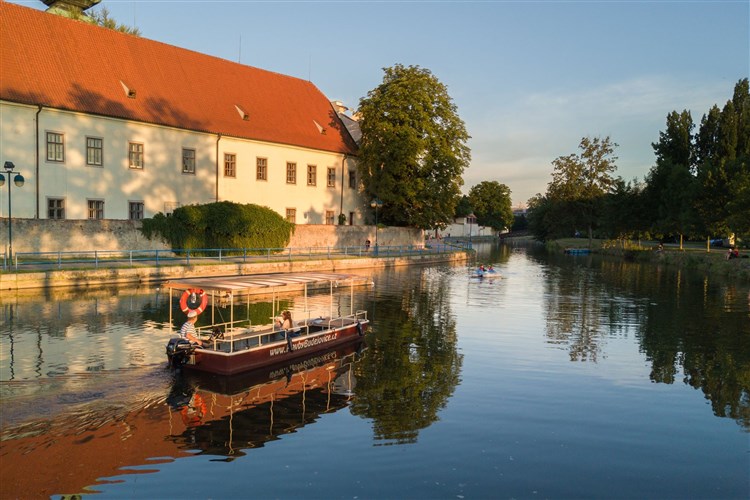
x,y
107,125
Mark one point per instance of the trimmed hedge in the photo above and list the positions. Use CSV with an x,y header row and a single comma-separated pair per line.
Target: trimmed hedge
x,y
220,225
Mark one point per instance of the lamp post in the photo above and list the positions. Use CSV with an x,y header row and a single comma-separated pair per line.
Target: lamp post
x,y
471,218
18,180
376,204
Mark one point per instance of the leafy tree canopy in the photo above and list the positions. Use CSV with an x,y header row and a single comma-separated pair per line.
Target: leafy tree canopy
x,y
100,17
492,205
413,150
581,180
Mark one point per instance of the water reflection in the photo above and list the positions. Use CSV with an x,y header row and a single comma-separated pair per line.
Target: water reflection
x,y
688,325
223,416
83,382
170,415
413,365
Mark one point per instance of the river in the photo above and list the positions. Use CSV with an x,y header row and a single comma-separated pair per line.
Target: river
x,y
563,377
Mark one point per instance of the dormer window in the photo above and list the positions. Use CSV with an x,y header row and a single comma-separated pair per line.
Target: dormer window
x,y
130,93
242,113
320,127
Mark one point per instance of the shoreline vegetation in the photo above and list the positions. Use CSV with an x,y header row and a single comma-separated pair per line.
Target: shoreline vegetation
x,y
693,255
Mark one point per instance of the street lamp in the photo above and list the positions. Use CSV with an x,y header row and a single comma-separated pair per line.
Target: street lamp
x,y
18,181
376,204
471,218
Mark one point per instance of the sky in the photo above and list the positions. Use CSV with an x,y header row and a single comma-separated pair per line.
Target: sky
x,y
529,78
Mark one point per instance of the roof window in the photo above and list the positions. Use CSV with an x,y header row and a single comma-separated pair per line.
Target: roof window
x,y
321,129
128,91
242,113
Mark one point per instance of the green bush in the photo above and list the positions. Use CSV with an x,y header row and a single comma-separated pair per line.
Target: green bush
x,y
220,225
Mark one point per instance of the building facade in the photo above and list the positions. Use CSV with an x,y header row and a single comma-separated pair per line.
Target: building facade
x,y
106,125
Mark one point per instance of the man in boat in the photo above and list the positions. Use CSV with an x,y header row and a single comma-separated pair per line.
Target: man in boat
x,y
188,329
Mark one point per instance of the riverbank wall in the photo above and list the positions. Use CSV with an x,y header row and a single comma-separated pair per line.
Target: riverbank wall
x,y
88,278
50,235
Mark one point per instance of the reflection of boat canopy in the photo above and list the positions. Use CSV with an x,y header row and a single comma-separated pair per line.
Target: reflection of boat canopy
x,y
236,345
247,410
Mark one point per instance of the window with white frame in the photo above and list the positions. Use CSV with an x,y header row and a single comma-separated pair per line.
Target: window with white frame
x,y
230,165
352,179
331,177
261,169
96,209
291,215
291,173
55,208
135,210
312,175
329,217
94,151
135,155
55,147
188,161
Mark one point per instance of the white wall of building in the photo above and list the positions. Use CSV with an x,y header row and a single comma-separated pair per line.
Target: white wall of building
x,y
161,183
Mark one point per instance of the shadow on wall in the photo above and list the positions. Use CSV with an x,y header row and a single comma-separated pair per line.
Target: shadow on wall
x,y
46,235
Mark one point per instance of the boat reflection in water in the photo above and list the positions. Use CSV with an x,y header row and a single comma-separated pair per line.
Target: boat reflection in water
x,y
200,413
224,415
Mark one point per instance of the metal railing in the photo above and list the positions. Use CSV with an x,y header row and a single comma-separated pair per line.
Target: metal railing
x,y
96,259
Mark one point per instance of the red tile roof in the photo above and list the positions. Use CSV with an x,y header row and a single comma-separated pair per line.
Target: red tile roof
x,y
61,63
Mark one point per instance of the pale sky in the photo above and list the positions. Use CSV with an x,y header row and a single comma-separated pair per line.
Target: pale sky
x,y
529,78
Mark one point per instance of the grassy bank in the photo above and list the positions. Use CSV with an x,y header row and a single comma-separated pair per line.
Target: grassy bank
x,y
691,256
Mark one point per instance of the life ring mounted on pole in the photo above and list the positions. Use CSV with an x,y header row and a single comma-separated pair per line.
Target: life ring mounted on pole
x,y
193,299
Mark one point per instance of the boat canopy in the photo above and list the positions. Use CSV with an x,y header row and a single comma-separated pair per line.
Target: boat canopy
x,y
235,284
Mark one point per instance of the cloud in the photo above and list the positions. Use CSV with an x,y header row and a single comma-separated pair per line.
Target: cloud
x,y
515,141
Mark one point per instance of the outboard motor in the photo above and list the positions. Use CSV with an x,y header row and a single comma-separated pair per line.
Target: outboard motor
x,y
179,351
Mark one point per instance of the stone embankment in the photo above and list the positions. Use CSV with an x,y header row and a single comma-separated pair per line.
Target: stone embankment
x,y
85,278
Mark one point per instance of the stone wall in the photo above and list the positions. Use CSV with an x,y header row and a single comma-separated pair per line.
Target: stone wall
x,y
45,235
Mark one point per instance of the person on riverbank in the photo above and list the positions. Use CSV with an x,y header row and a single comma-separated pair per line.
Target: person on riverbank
x,y
188,329
733,253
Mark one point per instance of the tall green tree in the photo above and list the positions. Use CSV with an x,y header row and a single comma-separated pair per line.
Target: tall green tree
x,y
722,145
582,180
492,205
672,185
413,150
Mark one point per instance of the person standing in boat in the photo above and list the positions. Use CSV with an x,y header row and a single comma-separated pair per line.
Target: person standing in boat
x,y
188,328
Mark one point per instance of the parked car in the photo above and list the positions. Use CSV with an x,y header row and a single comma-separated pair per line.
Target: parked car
x,y
717,242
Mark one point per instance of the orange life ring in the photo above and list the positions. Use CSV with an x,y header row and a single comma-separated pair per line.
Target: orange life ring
x,y
188,295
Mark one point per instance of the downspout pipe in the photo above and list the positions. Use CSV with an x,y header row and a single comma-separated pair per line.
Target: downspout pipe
x,y
343,179
36,168
218,138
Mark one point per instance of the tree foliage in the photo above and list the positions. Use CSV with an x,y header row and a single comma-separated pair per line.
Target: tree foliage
x,y
699,185
221,225
413,150
101,17
492,205
580,181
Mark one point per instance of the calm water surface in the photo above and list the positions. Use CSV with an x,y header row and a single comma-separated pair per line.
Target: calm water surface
x,y
569,377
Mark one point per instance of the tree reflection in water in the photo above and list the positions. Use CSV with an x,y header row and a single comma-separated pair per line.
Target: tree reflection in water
x,y
686,323
412,367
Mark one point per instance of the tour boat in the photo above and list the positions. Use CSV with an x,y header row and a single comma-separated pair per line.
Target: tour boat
x,y
234,345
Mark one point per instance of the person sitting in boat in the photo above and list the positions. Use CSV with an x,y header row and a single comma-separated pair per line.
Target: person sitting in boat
x,y
285,321
188,329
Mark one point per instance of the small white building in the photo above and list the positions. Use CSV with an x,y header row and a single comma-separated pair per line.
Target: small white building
x,y
106,125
